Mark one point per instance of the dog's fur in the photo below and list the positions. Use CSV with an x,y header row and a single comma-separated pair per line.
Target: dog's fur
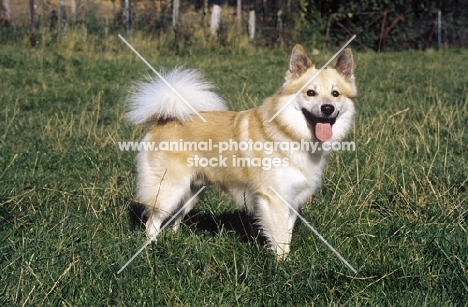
x,y
323,110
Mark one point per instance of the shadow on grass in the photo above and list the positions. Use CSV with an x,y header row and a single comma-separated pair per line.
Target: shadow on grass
x,y
237,222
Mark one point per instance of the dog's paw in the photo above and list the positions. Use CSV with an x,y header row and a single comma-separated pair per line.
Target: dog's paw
x,y
281,251
151,232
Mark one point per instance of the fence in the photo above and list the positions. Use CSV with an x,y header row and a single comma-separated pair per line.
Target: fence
x,y
270,31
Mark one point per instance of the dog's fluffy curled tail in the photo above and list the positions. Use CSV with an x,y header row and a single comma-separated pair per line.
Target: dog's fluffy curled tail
x,y
186,94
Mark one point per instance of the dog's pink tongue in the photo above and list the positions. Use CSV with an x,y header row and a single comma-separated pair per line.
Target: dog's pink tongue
x,y
323,131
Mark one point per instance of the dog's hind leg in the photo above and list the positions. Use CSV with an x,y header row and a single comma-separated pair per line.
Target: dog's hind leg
x,y
188,203
175,195
163,191
165,204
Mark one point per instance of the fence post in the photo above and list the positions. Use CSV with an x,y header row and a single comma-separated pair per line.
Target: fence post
x,y
205,14
215,17
239,11
175,23
63,16
73,10
439,29
32,29
252,25
175,15
127,18
279,28
5,13
106,28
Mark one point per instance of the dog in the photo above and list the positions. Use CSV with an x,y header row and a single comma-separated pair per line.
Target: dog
x,y
202,143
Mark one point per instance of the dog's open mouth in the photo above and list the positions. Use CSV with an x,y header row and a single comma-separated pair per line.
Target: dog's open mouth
x,y
322,125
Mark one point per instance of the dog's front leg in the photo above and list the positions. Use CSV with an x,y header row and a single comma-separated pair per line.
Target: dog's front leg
x,y
277,223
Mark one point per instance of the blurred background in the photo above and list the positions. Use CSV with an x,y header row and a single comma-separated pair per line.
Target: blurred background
x,y
232,24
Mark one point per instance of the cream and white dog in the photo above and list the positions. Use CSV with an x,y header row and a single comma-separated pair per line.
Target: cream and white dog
x,y
303,110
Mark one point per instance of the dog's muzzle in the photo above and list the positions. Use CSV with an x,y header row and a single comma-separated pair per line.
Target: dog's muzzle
x,y
322,125
313,120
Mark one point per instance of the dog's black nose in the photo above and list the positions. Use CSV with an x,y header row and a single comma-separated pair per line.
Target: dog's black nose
x,y
327,109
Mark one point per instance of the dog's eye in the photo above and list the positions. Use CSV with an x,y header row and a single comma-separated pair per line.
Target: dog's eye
x,y
311,93
335,93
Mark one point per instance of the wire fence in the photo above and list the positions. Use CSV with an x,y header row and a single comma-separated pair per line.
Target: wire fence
x,y
419,34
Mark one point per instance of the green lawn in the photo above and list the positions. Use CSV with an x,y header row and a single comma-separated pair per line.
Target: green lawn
x,y
396,208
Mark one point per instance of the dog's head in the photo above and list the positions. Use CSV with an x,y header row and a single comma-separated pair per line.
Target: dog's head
x,y
323,99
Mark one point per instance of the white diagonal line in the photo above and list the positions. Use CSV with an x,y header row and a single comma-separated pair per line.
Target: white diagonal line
x,y
315,231
313,77
148,242
162,78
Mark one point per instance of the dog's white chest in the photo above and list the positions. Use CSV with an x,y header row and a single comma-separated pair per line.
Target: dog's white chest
x,y
300,179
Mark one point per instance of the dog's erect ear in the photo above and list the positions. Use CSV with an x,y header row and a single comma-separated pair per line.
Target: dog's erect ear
x,y
299,61
345,63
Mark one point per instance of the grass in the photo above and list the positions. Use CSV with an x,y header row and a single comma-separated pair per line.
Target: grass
x,y
396,208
